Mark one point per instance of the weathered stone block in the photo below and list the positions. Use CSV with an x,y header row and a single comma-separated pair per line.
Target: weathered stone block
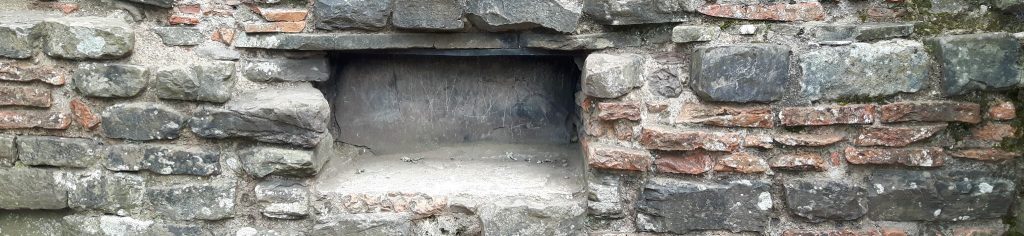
x,y
690,33
208,82
921,157
603,197
668,139
8,152
181,160
142,121
109,193
25,96
15,40
640,12
26,72
740,73
897,195
811,140
193,201
159,3
798,162
776,11
864,70
180,36
278,70
30,188
610,157
124,157
942,111
364,224
691,163
500,15
726,116
819,201
611,76
283,199
294,115
57,151
433,15
893,136
741,162
618,110
80,38
548,216
262,161
675,206
34,119
109,80
977,62
349,14
104,225
828,115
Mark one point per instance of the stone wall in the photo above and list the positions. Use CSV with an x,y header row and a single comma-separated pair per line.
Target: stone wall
x,y
205,117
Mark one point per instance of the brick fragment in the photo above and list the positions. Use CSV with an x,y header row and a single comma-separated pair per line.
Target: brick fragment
x,y
83,114
618,110
753,117
65,7
224,35
992,132
892,136
25,96
656,107
274,27
183,20
931,112
618,158
282,14
1002,111
691,163
805,11
828,115
661,138
921,157
988,154
25,73
805,161
758,140
812,140
741,162
34,119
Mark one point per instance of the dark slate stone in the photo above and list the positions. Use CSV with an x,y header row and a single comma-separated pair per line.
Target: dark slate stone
x,y
159,3
977,62
432,15
665,82
612,12
864,70
818,201
740,73
8,152
124,157
193,201
181,160
15,41
180,36
57,151
676,206
295,115
142,121
347,14
502,15
79,38
209,82
611,75
900,195
108,193
263,70
109,80
31,188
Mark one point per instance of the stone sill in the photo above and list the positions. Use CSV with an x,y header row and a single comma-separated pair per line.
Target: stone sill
x,y
343,42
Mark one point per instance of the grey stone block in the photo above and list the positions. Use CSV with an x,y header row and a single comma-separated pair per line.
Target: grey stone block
x,y
193,201
864,70
104,225
206,83
351,14
8,151
377,41
818,201
676,206
611,76
142,121
109,80
263,70
295,115
107,192
283,199
431,15
57,151
501,15
180,36
977,62
15,40
899,195
690,33
80,38
740,73
30,188
181,160
124,157
612,12
370,224
262,161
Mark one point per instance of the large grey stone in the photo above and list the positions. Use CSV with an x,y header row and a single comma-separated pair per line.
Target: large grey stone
x,y
193,201
208,82
57,151
349,14
740,72
124,157
524,216
159,3
501,15
676,206
282,199
309,69
612,12
977,62
15,40
41,223
180,36
432,15
107,192
109,80
142,121
818,201
262,161
87,38
181,160
295,115
8,152
343,41
30,188
899,195
611,76
104,225
864,70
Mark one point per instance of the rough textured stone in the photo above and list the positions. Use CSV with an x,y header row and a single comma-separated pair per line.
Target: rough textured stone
x,y
892,136
294,115
305,41
691,163
842,34
159,3
274,27
922,157
262,161
617,158
930,111
827,115
109,193
124,157
674,206
15,40
8,152
1002,111
594,41
432,15
57,151
181,160
499,15
109,80
803,11
193,201
87,38
34,119
376,224
24,72
282,199
819,201
977,62
25,96
798,162
217,51
991,132
611,76
665,82
262,70
142,121
84,114
604,200
43,223
207,82
985,154
864,70
349,14
857,231
550,216
662,138
282,14
618,110
740,73
30,188
813,140
180,36
741,162
104,225
726,116
689,33
640,12
897,195
875,31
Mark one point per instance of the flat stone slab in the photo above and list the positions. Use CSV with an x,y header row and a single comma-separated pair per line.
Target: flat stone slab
x,y
344,41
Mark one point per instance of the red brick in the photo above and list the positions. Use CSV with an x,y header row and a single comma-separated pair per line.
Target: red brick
x,y
977,231
806,11
931,111
828,115
1002,111
741,162
618,158
21,72
618,110
84,115
274,27
992,132
812,140
798,161
985,154
892,136
758,140
190,9
922,157
284,15
753,117
224,35
661,138
34,119
691,163
183,20
656,107
25,96
65,7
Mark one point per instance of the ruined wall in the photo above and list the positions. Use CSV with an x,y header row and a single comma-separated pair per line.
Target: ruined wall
x,y
206,117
